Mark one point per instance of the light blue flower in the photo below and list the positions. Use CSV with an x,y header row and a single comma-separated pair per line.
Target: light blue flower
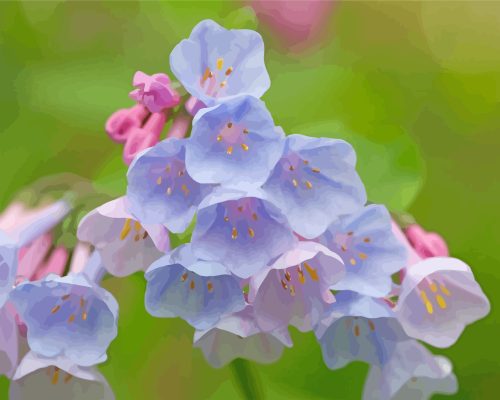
x,y
360,328
68,316
315,182
200,292
215,63
160,190
234,143
241,230
370,250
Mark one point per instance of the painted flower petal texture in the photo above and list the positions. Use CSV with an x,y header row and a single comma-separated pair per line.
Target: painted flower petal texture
x,y
154,91
124,244
215,63
200,292
238,336
360,328
160,190
370,250
412,373
8,266
9,336
241,230
234,143
67,316
439,297
57,378
295,289
315,182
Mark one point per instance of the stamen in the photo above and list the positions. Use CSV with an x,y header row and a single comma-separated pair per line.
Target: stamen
x,y
356,330
181,172
55,377
169,191
251,232
82,302
308,185
288,276
363,256
137,226
240,208
441,301
210,287
191,285
246,131
229,124
84,316
284,285
55,309
295,183
428,304
234,233
158,181
371,324
445,290
352,261
302,278
229,150
65,297
312,271
184,277
137,237
223,83
226,219
315,170
343,248
220,63
292,290
145,235
244,146
254,217
206,74
167,168
219,138
125,230
185,189
71,318
228,71
306,162
291,168
366,240
433,287
350,233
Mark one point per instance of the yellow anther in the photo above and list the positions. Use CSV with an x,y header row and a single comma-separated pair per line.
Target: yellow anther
x,y
240,208
371,324
302,278
291,168
229,150
366,240
295,183
191,285
234,233
137,226
169,191
308,184
185,189
167,168
226,219
71,318
292,290
158,181
219,138
229,124
220,63
356,330
82,302
55,309
288,276
352,261
255,217
441,301
244,146
65,297
306,162
206,74
137,237
428,304
312,271
228,71
246,131
55,377
315,170
284,285
223,83
125,230
445,290
251,232
210,287
343,248
433,287
363,256
84,316
184,277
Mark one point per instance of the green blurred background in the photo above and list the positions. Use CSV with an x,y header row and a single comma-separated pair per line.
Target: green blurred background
x,y
415,86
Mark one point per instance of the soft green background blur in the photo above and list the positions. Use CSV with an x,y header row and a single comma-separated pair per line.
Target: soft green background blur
x,y
414,86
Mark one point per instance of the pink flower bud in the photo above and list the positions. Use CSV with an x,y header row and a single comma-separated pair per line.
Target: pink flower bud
x,y
140,139
154,92
122,121
426,244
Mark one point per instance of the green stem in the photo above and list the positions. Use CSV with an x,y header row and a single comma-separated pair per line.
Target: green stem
x,y
247,380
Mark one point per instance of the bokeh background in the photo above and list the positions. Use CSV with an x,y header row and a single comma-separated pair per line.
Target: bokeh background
x,y
415,86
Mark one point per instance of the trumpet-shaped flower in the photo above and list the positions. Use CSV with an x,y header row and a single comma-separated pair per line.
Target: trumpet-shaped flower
x,y
160,190
234,143
124,244
295,288
215,64
200,292
369,249
241,230
57,378
315,182
238,336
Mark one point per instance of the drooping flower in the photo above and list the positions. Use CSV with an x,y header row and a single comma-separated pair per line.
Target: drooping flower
x,y
295,289
426,244
238,336
160,190
241,230
315,182
120,123
200,292
369,249
215,64
154,91
412,373
68,316
124,244
234,143
358,327
57,378
439,297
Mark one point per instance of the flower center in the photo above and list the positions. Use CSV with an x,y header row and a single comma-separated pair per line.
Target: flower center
x,y
127,228
437,289
293,276
214,81
239,213
233,136
77,304
174,178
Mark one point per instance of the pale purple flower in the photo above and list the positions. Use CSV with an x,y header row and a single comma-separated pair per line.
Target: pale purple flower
x,y
238,336
295,289
125,245
154,91
9,337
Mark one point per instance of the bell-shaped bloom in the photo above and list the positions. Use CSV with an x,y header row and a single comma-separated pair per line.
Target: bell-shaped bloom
x,y
370,250
69,316
124,244
295,289
359,328
241,230
122,121
160,190
439,297
238,336
412,373
9,338
314,182
234,143
426,244
200,292
154,91
215,64
57,378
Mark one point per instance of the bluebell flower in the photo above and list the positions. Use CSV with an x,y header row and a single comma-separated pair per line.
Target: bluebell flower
x,y
359,328
314,182
234,143
412,373
200,292
160,190
68,316
9,341
238,336
57,378
215,64
370,250
241,230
